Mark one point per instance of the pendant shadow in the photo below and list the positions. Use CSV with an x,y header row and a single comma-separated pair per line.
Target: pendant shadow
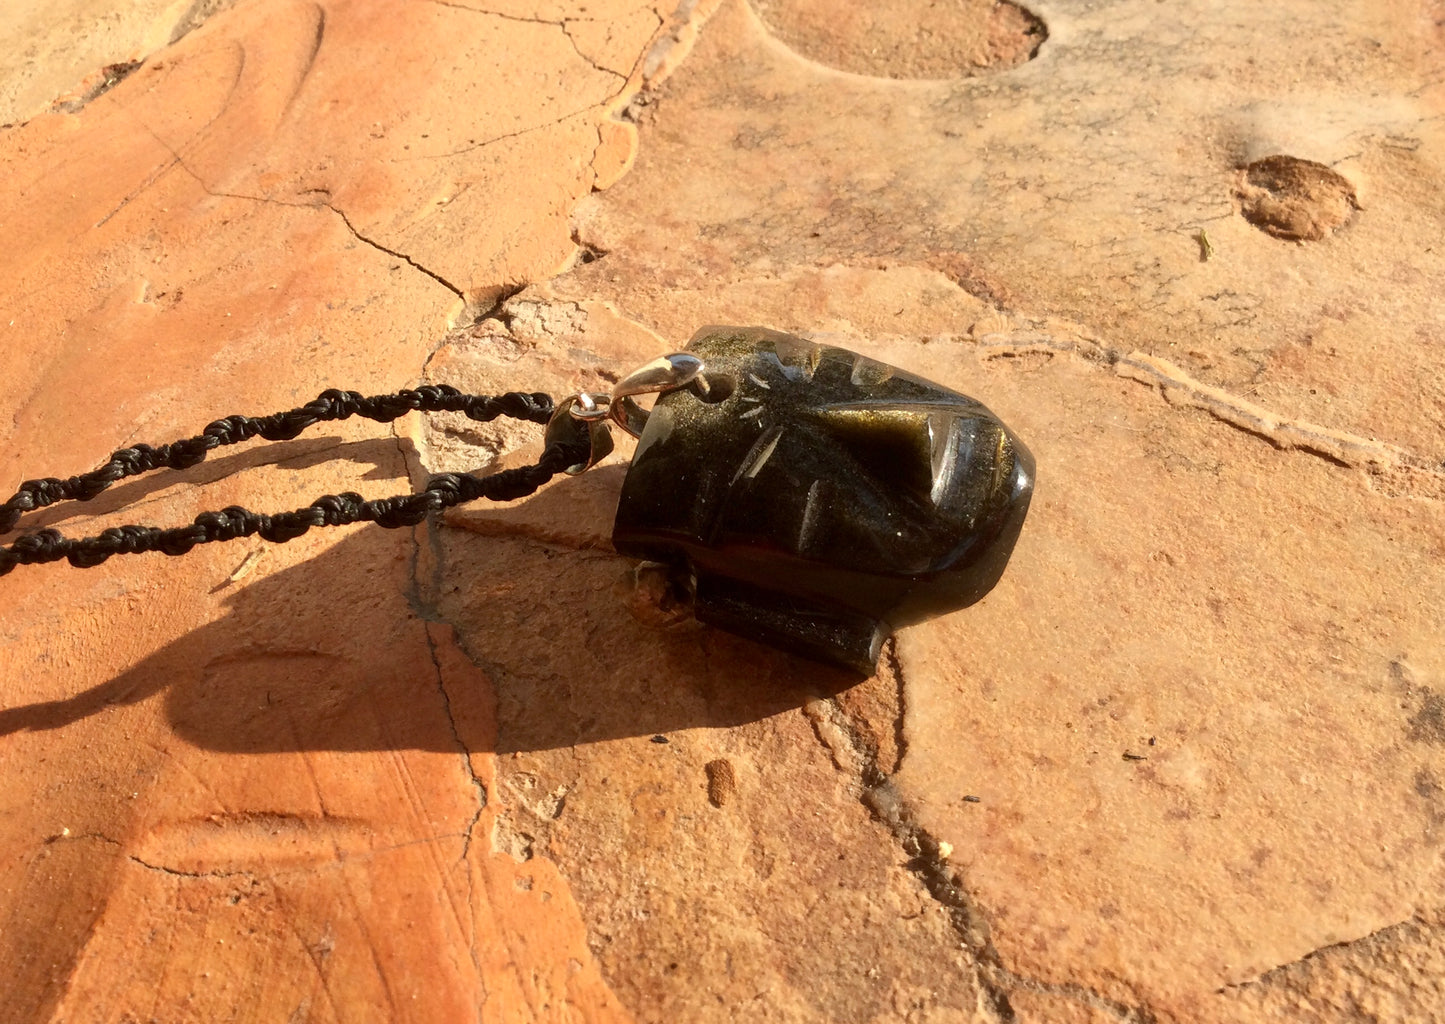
x,y
530,645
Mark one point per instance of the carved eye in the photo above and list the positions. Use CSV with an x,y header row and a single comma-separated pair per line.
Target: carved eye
x,y
891,445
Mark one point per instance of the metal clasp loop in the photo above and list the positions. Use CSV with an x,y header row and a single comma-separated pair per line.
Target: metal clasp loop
x,y
585,416
589,408
663,374
578,419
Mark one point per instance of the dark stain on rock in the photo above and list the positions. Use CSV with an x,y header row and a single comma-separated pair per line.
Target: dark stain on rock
x,y
1429,789
1427,785
1427,724
1294,199
197,15
109,77
968,275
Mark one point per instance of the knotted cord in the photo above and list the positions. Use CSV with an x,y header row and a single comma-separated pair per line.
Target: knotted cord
x,y
442,490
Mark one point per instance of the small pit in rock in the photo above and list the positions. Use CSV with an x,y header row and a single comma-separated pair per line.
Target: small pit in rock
x,y
907,38
1295,199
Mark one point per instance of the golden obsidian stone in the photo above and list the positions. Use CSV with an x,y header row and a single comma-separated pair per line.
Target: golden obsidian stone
x,y
817,498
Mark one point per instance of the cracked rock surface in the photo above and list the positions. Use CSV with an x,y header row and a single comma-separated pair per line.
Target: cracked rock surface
x,y
1184,764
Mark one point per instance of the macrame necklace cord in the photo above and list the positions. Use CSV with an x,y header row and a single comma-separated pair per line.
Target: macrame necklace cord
x,y
442,491
800,494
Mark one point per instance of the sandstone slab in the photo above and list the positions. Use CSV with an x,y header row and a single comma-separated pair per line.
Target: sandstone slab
x,y
1183,764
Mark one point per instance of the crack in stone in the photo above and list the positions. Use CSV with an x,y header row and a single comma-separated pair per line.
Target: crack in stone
x,y
178,873
592,163
426,611
344,219
1179,389
477,784
176,161
162,868
154,177
393,252
900,737
560,23
562,119
326,203
462,748
1276,974
588,60
611,102
854,752
1337,446
253,876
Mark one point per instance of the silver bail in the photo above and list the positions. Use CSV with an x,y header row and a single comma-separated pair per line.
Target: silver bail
x,y
665,373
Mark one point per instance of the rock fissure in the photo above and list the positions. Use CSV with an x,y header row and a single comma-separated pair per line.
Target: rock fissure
x,y
900,736
474,146
1179,389
928,862
155,176
462,748
396,253
178,873
1365,942
476,818
588,60
427,612
327,204
106,79
559,23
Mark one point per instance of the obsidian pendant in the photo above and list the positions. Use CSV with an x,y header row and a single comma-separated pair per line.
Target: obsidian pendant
x,y
819,499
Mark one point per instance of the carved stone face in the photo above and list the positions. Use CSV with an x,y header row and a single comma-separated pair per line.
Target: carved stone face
x,y
819,498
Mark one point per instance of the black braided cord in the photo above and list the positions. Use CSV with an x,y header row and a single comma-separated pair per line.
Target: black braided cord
x,y
442,491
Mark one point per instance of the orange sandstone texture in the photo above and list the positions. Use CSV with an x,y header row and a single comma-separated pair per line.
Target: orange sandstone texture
x,y
1199,713
1184,764
221,804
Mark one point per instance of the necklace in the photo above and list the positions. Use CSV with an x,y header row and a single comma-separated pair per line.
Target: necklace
x,y
807,496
